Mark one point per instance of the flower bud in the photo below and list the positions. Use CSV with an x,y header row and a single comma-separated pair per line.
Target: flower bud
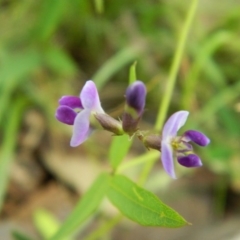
x,y
135,96
108,123
152,141
135,103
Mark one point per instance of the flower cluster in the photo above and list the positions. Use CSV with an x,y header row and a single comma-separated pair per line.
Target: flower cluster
x,y
85,113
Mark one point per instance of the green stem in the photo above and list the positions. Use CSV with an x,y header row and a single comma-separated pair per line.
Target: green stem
x,y
147,157
105,228
163,108
144,174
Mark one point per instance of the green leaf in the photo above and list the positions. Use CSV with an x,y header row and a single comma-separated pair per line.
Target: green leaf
x,y
46,223
59,61
23,64
132,73
9,143
19,236
99,5
140,205
50,16
119,149
85,207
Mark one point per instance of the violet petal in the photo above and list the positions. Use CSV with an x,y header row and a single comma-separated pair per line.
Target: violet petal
x,y
65,115
197,137
135,96
70,101
89,97
81,129
190,160
174,123
167,158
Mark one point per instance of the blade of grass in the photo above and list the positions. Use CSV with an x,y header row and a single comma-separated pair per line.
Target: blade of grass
x,y
46,223
216,103
84,208
9,143
163,107
202,54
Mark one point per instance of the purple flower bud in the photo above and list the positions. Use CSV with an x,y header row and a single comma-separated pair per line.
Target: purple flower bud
x,y
135,102
110,124
129,123
152,141
65,115
135,96
190,160
197,137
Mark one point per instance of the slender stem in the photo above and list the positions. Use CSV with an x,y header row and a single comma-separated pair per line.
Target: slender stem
x,y
147,157
105,228
145,172
163,108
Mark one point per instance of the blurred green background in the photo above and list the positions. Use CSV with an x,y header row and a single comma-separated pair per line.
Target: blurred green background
x,y
49,48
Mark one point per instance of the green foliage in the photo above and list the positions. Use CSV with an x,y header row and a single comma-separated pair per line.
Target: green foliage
x,y
50,46
99,4
46,223
132,73
59,61
114,64
9,144
20,236
49,18
85,207
141,205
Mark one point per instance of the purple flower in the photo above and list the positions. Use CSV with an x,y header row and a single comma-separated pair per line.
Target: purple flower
x,y
135,103
88,104
179,146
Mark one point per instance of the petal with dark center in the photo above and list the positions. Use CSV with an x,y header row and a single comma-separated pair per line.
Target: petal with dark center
x,y
191,160
89,97
167,158
135,96
65,115
174,123
197,137
70,101
81,129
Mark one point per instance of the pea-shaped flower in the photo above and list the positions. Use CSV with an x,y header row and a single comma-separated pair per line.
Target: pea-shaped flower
x,y
179,146
68,112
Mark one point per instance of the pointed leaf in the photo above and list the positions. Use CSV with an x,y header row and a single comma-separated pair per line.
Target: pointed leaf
x,y
85,207
46,223
49,18
132,73
140,205
99,5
